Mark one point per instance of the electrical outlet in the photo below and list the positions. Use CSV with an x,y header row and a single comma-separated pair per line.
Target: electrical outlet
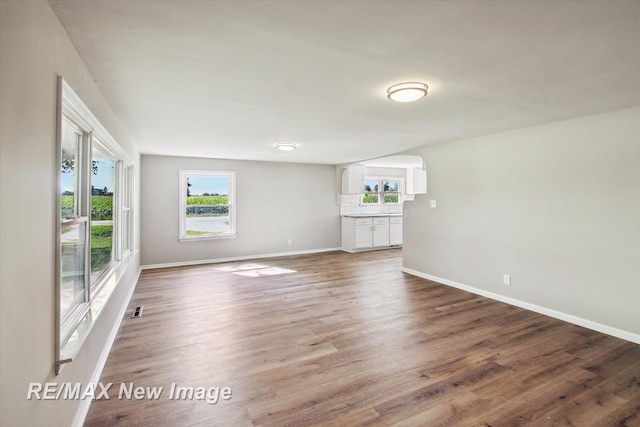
x,y
289,242
433,203
506,279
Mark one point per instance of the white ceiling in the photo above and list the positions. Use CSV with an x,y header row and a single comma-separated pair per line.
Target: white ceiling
x,y
228,79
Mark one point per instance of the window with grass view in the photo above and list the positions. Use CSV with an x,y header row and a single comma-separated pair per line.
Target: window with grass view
x,y
95,220
382,191
89,190
207,200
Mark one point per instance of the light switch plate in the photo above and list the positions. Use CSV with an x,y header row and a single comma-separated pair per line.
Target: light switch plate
x,y
432,203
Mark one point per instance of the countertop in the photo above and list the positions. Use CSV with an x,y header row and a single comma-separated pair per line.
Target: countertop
x,y
368,215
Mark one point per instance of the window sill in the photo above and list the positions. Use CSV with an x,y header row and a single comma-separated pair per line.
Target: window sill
x,y
201,238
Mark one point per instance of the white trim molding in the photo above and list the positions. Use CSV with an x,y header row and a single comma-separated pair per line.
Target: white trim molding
x,y
236,258
589,324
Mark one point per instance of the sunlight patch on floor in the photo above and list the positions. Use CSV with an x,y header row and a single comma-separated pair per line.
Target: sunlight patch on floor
x,y
243,267
254,270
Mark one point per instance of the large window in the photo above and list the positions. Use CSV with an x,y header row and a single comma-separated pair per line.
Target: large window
x,y
95,221
382,191
207,208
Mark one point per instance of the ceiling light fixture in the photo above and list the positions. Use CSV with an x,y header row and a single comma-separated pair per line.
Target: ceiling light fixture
x,y
407,92
285,146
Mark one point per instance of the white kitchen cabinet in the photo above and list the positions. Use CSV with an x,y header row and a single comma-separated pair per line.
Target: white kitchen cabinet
x,y
416,181
363,236
380,231
419,181
395,231
366,233
353,180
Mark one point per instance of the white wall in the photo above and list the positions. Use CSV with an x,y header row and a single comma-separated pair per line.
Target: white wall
x,y
556,206
275,202
34,50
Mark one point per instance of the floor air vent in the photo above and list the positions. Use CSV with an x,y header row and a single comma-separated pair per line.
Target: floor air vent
x,y
137,312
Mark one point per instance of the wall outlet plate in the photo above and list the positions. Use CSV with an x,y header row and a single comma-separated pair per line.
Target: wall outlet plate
x,y
506,279
433,203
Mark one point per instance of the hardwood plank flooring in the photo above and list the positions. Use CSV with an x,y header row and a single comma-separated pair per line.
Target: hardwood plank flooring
x,y
347,339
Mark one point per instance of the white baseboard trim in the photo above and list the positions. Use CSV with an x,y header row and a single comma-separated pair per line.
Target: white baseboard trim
x,y
85,404
236,258
379,248
589,324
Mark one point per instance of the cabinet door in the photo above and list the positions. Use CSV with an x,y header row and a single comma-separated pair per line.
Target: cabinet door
x,y
395,234
381,235
363,236
419,181
353,180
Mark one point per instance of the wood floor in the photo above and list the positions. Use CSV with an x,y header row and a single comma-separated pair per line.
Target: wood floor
x,y
346,340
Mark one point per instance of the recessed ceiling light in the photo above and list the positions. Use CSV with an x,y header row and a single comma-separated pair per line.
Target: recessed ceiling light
x,y
407,92
285,146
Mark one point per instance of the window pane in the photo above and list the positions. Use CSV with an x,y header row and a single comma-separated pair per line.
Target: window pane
x,y
207,210
393,186
370,198
371,186
71,141
125,231
126,210
103,183
72,233
391,198
72,264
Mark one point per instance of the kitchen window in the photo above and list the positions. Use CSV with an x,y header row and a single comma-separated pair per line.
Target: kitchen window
x,y
207,205
387,191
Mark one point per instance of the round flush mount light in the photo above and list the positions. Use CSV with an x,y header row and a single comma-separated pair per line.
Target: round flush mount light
x,y
285,146
407,92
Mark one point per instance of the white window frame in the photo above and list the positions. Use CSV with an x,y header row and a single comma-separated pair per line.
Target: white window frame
x,y
125,248
184,174
73,329
381,191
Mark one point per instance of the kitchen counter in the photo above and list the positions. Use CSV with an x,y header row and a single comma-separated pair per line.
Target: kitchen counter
x,y
370,215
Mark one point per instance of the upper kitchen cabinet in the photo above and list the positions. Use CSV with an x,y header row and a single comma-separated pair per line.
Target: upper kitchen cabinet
x,y
353,179
409,168
416,181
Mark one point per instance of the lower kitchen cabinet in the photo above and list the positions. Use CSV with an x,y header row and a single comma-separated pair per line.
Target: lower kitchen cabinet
x,y
395,231
374,232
